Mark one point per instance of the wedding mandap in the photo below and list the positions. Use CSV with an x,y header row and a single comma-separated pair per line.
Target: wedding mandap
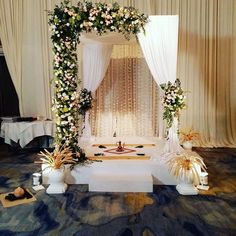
x,y
142,160
121,164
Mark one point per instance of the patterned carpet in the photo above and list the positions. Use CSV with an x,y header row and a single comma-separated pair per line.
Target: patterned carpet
x,y
79,212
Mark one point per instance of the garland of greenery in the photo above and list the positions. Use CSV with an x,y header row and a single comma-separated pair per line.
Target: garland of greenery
x,y
66,23
173,101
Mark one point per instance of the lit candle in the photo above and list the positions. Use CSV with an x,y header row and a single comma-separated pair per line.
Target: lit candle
x,y
36,179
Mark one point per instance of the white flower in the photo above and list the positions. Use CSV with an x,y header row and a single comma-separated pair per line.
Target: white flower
x,y
64,122
92,18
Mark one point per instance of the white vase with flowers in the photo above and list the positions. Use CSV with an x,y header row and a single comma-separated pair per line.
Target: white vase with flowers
x,y
186,167
55,161
187,138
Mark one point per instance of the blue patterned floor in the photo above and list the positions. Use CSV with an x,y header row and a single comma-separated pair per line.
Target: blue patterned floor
x,y
163,212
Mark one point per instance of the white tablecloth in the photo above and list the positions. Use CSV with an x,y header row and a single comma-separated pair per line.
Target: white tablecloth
x,y
24,132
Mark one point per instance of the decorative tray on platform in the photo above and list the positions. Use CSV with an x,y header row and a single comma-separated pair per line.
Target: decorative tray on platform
x,y
120,152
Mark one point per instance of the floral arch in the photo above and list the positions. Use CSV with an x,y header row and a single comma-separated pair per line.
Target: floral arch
x,y
67,23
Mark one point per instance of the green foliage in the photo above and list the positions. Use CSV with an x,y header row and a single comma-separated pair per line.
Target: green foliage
x,y
85,101
173,101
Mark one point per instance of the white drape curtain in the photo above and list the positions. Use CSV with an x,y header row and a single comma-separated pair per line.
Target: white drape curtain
x,y
159,44
126,102
96,57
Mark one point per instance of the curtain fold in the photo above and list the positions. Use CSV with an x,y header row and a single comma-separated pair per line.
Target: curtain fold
x,y
24,34
96,57
11,27
159,44
126,102
36,98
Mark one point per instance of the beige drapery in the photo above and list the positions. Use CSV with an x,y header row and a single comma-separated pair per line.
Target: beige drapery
x,y
36,60
26,45
206,59
11,24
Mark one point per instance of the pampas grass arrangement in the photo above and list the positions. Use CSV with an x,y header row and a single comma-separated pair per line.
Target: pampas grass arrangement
x,y
58,158
186,166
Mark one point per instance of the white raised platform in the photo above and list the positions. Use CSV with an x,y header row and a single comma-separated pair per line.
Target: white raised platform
x,y
122,175
120,183
81,174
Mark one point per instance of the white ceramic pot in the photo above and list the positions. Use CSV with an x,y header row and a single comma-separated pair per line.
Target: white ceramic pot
x,y
56,180
187,145
186,187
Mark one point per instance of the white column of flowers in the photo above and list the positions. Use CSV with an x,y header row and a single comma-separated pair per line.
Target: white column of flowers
x,y
65,81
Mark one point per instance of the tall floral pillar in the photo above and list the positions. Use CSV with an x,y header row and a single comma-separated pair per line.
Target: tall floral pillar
x,y
65,77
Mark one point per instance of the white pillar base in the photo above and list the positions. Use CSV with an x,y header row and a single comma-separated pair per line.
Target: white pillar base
x,y
187,189
120,183
56,188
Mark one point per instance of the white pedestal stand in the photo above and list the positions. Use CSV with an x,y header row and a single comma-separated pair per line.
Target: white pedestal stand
x,y
57,185
187,189
56,188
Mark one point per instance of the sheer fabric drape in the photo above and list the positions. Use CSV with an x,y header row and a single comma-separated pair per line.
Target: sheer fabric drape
x,y
126,102
159,44
96,57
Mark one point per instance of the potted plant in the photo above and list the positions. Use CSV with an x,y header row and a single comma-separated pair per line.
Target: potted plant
x,y
186,168
56,161
187,138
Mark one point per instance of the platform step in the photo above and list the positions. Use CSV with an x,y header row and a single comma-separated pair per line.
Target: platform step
x,y
120,183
